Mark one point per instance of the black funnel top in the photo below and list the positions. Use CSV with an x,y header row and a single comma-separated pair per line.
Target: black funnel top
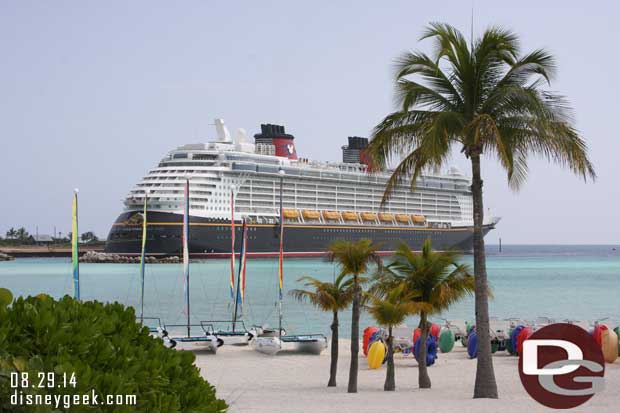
x,y
269,131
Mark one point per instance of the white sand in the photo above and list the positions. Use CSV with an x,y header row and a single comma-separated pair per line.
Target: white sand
x,y
290,382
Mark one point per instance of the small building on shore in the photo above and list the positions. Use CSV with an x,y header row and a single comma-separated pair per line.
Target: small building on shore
x,y
42,239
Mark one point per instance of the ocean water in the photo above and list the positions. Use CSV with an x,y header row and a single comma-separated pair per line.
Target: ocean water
x,y
561,282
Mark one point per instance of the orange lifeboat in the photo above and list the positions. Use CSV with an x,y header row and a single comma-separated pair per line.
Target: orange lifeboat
x,y
311,214
331,215
418,219
402,218
290,213
386,217
350,216
369,216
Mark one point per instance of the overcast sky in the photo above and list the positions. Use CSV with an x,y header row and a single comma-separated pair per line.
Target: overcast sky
x,y
93,94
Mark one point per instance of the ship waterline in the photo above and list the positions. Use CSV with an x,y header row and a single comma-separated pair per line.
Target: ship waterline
x,y
212,238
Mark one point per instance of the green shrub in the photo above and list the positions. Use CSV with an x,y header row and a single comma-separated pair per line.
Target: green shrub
x,y
105,348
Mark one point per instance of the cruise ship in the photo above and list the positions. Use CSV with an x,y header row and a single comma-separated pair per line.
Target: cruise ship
x,y
322,201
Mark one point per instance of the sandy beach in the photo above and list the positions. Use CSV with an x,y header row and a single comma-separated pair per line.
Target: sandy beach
x,y
292,382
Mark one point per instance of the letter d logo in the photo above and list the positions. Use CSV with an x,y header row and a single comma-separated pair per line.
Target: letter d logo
x,y
561,366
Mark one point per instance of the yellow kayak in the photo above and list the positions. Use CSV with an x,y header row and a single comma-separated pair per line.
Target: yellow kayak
x,y
609,344
376,354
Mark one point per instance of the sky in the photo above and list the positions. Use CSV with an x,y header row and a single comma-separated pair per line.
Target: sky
x,y
93,94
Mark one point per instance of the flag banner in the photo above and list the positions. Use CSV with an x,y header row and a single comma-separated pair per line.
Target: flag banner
x,y
75,248
232,247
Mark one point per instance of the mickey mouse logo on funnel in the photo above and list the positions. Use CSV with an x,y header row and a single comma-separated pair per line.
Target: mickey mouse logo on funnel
x,y
561,366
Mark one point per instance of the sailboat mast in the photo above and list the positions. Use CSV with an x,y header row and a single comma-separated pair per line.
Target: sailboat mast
x,y
186,253
232,242
75,248
240,276
281,257
142,263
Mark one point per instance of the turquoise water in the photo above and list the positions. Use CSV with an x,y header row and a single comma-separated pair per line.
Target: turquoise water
x,y
574,282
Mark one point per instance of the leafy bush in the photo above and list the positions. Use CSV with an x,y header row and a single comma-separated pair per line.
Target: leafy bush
x,y
105,348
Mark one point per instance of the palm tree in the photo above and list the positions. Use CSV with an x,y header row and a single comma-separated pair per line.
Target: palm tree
x,y
328,296
11,233
22,235
391,309
354,258
434,280
485,98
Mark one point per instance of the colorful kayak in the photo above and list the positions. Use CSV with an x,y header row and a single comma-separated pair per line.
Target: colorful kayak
x,y
431,350
376,354
472,345
597,332
609,345
617,331
446,340
509,347
525,333
513,338
416,334
368,332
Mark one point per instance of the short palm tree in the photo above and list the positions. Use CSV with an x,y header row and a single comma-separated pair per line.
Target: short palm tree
x,y
485,98
434,281
354,258
328,296
11,233
391,309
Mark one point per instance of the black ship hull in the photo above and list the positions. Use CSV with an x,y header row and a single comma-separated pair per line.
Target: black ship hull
x,y
212,237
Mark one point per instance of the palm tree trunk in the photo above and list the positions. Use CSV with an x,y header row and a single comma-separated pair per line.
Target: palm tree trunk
x,y
424,382
334,362
485,386
355,337
390,380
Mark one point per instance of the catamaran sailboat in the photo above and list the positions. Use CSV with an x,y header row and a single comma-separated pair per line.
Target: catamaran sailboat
x,y
208,339
237,329
271,345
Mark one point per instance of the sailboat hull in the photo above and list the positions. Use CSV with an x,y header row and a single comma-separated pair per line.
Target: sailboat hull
x,y
267,345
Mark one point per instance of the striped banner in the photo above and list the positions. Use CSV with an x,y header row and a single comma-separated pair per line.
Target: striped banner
x,y
232,247
75,248
244,253
142,264
186,252
241,274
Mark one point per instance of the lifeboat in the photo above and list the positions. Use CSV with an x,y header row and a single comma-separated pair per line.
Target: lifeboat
x,y
418,219
331,215
402,218
290,213
311,214
386,217
369,216
350,216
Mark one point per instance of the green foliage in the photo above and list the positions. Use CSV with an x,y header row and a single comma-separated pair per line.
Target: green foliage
x,y
89,237
106,349
392,307
327,296
433,280
483,98
354,257
6,297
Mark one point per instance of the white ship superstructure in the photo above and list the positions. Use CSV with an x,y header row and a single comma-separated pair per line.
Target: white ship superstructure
x,y
321,194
